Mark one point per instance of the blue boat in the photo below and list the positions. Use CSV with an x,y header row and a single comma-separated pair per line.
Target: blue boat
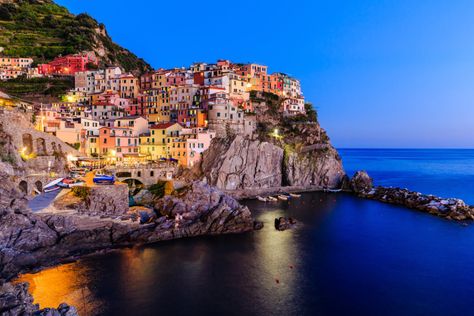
x,y
103,179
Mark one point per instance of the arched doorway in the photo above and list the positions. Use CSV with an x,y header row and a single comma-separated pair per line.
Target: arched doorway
x,y
40,147
23,187
39,187
27,144
134,185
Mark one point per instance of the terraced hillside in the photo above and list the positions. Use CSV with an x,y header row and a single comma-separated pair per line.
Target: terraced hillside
x,y
44,30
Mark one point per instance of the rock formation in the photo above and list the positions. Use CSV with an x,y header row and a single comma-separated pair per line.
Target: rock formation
x,y
242,163
361,182
299,155
362,185
284,223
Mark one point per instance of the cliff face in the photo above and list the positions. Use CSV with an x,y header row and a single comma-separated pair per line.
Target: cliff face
x,y
323,169
241,163
287,151
29,156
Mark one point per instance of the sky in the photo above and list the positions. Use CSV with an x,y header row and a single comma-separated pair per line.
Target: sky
x,y
386,73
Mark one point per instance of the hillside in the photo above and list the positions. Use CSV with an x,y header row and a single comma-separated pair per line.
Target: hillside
x,y
43,30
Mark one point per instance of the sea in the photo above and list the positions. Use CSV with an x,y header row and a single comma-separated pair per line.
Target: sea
x,y
346,256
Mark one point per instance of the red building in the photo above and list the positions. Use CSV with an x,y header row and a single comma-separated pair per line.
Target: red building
x,y
68,65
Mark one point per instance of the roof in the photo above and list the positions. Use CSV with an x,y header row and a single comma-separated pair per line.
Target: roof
x,y
163,125
131,117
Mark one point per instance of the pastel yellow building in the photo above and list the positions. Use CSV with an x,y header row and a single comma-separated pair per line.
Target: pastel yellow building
x,y
154,144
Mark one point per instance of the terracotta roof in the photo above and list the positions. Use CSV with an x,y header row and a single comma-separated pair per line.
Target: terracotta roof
x,y
163,125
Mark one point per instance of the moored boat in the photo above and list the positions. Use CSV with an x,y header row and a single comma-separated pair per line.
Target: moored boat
x,y
262,199
333,190
283,197
51,189
295,195
272,199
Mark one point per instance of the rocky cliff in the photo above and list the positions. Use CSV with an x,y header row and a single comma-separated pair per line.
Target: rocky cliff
x,y
242,163
285,151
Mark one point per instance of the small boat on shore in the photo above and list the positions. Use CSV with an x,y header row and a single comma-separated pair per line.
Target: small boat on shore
x,y
272,199
283,197
332,190
295,195
261,199
51,189
53,185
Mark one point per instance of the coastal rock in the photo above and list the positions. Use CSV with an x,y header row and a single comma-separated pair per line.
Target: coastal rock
x,y
449,208
203,209
62,310
361,182
284,223
257,225
242,163
15,300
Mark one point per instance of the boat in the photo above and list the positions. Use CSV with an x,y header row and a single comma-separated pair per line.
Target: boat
x,y
52,184
333,190
51,189
272,199
77,184
262,199
295,195
63,185
283,197
103,179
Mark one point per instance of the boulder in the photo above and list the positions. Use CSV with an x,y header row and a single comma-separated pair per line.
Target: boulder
x,y
361,182
257,225
203,209
284,223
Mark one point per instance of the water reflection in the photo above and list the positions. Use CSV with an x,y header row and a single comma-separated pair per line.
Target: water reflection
x,y
262,272
66,283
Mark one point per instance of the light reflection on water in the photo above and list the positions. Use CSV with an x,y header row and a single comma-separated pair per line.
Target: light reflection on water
x,y
66,283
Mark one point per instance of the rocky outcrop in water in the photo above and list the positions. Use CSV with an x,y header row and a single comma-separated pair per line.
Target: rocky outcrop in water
x,y
450,208
284,223
202,209
362,185
361,182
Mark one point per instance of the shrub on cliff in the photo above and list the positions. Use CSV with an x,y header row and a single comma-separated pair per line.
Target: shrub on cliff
x,y
81,192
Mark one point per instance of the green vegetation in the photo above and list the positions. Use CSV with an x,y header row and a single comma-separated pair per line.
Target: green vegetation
x,y
311,112
76,146
158,189
81,192
8,158
23,87
43,30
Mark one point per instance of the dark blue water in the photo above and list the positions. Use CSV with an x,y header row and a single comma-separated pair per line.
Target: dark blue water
x,y
348,256
442,172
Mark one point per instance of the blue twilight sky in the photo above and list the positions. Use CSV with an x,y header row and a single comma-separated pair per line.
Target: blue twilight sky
x,y
386,73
